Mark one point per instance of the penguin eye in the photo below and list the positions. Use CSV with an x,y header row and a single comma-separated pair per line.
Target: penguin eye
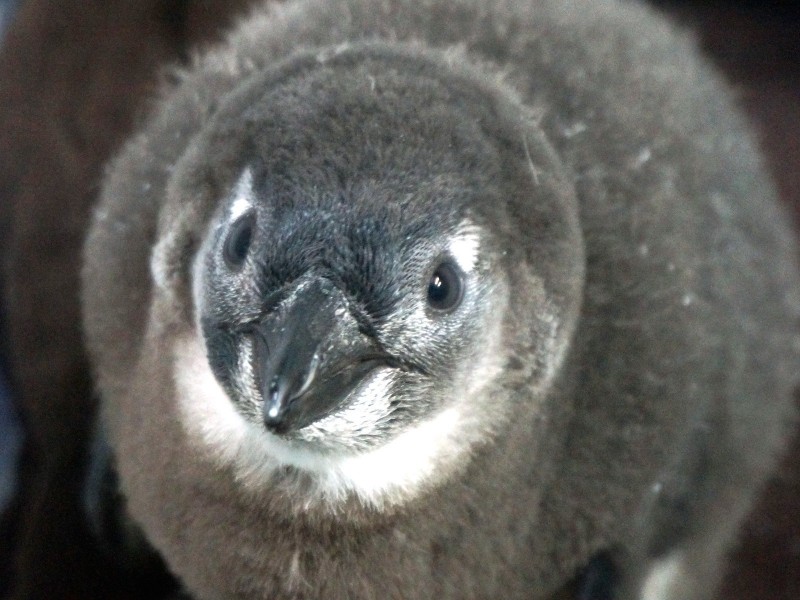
x,y
445,287
237,244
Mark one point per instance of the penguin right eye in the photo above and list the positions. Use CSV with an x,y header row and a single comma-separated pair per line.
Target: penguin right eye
x,y
445,287
237,244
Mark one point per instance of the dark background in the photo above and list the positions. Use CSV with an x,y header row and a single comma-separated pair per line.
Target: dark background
x,y
74,79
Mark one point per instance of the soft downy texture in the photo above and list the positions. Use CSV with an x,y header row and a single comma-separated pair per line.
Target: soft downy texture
x,y
642,156
656,163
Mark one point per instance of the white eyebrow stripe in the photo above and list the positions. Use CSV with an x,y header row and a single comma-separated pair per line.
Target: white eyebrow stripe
x,y
243,196
464,246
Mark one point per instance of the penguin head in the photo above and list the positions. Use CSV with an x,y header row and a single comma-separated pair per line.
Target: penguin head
x,y
354,289
339,321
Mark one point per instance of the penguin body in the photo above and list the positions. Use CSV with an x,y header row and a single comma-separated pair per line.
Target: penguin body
x,y
442,299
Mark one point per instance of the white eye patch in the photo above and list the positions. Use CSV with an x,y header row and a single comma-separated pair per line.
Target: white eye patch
x,y
243,196
465,245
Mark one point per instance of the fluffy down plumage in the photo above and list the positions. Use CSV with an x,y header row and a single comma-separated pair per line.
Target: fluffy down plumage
x,y
613,379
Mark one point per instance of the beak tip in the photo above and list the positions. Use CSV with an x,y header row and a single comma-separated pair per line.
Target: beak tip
x,y
275,421
275,415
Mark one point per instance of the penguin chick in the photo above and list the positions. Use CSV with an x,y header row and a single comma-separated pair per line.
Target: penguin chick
x,y
443,299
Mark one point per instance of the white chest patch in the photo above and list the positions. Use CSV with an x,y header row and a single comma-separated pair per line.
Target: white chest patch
x,y
387,475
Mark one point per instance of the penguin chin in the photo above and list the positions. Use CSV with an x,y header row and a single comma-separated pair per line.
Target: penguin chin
x,y
382,476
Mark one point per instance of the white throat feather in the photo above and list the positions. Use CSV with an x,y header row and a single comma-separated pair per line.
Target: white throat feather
x,y
389,474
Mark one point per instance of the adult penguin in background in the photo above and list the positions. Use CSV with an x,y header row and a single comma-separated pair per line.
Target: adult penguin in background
x,y
402,299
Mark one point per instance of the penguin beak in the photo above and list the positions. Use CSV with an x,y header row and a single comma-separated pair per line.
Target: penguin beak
x,y
309,355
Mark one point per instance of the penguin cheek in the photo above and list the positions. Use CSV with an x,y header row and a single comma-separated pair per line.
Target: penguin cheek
x,y
229,355
223,357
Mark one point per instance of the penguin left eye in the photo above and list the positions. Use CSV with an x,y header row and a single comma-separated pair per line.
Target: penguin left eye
x,y
237,244
445,287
